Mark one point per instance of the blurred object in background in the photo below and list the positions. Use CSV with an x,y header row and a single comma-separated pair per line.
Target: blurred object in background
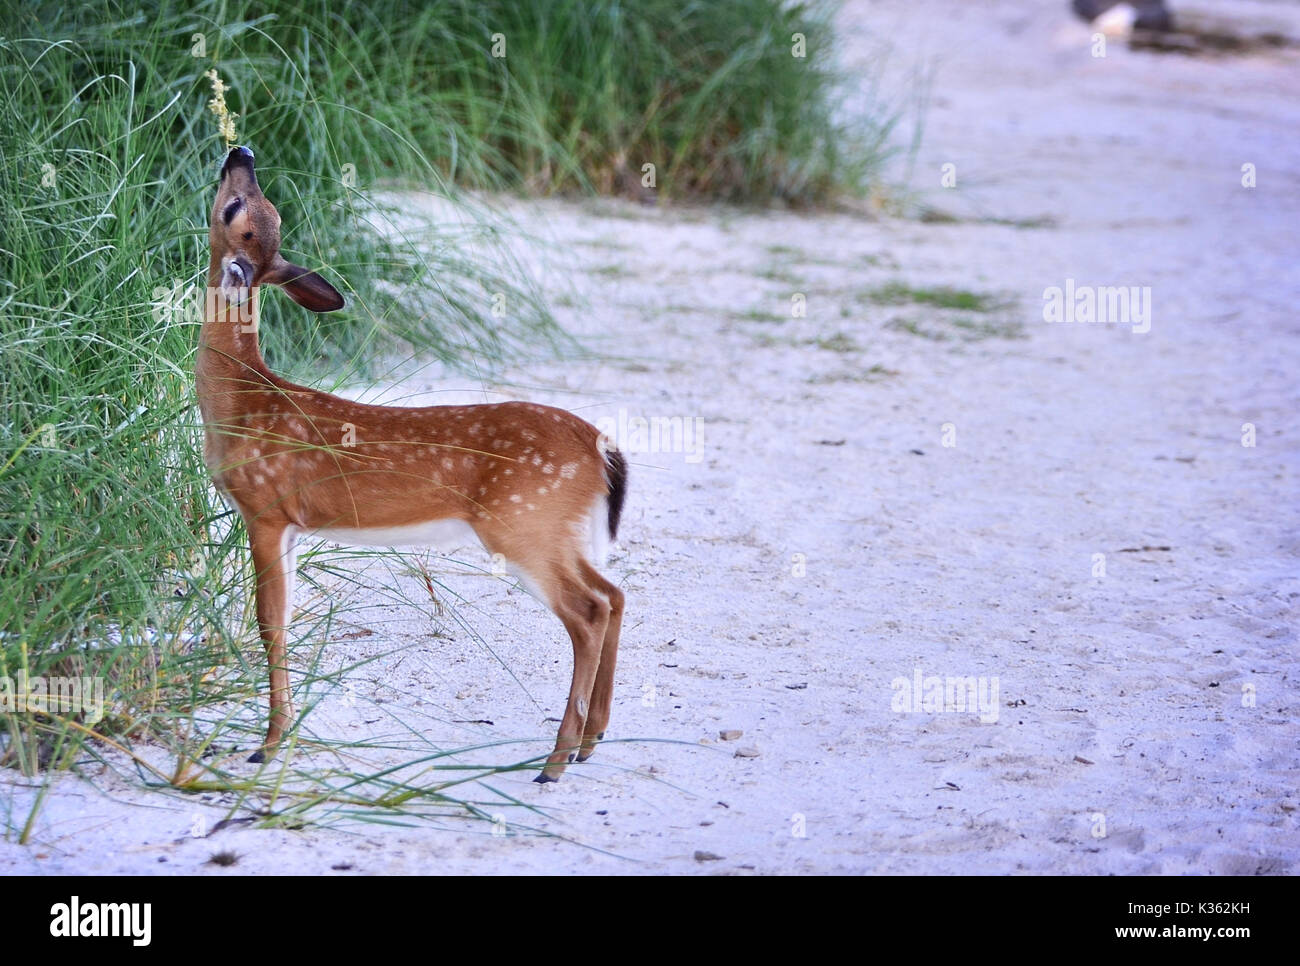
x,y
1148,25
1114,17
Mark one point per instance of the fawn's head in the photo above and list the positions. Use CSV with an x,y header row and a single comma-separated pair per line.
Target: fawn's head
x,y
245,238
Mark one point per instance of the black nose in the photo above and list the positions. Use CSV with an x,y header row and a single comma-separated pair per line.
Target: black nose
x,y
239,157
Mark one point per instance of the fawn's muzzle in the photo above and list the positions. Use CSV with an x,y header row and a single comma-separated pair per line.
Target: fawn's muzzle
x,y
239,157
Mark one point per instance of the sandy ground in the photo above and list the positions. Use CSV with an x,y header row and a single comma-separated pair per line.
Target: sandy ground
x,y
822,542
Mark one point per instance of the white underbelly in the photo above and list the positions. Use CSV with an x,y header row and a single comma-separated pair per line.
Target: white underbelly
x,y
438,534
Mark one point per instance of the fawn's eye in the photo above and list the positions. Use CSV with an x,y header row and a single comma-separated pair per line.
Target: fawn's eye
x,y
247,235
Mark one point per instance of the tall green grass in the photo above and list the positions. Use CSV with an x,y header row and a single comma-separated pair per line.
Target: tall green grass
x,y
115,558
727,99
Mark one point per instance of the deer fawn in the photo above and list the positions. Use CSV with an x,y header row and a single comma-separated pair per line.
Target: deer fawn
x,y
532,483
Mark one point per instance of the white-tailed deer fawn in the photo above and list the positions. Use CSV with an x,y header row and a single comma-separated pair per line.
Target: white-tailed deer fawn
x,y
533,483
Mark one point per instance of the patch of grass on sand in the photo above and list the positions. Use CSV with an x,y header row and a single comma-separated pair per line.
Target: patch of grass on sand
x,y
839,342
756,315
937,216
944,328
940,296
876,373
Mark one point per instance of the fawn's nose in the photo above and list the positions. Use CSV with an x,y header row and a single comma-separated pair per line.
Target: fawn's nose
x,y
239,157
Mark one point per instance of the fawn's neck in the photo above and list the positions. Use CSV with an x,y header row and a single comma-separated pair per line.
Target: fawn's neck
x,y
229,358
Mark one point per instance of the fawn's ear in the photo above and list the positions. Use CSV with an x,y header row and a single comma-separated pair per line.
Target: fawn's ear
x,y
304,286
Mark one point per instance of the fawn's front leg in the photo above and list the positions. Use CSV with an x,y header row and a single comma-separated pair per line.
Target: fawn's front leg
x,y
274,560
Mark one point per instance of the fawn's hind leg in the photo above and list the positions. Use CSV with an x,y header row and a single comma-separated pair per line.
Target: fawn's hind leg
x,y
585,614
602,694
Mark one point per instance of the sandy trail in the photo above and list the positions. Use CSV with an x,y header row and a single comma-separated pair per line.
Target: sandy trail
x,y
826,542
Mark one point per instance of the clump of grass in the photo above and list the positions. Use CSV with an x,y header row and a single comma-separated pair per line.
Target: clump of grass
x,y
957,327
943,297
937,216
840,342
612,271
950,316
737,100
876,373
757,315
773,273
732,99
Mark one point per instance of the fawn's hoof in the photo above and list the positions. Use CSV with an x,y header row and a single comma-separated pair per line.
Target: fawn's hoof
x,y
590,749
543,778
257,757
